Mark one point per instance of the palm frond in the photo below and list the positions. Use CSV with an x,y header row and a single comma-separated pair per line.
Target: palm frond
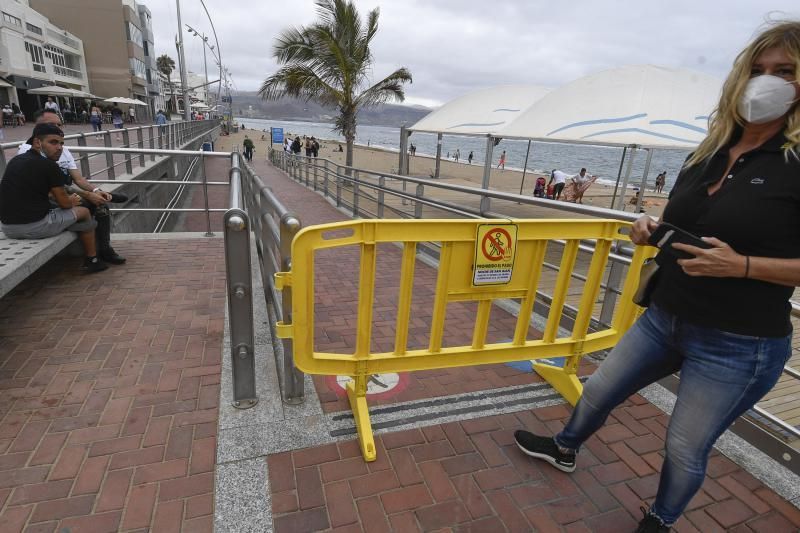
x,y
300,82
388,89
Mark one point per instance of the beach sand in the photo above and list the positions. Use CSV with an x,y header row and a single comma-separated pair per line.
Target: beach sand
x,y
461,173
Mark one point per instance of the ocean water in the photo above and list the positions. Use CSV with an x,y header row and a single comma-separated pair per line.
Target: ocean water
x,y
600,160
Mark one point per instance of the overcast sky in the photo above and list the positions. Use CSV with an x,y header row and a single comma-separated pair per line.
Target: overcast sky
x,y
452,47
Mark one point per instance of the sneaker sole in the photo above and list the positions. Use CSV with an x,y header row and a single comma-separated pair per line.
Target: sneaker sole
x,y
545,457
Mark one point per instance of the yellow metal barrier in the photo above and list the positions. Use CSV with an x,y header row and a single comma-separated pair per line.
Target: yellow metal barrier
x,y
480,260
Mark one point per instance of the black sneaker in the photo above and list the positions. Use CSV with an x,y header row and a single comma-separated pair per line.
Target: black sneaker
x,y
544,448
94,264
651,523
110,255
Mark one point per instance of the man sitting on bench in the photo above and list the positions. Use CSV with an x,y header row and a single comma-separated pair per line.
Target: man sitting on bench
x,y
93,198
29,181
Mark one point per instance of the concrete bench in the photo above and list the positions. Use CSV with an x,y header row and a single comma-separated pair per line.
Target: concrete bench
x,y
20,258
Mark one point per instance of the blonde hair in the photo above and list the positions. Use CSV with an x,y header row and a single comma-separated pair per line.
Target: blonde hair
x,y
726,118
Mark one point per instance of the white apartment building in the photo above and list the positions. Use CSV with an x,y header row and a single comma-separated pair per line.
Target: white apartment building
x,y
35,53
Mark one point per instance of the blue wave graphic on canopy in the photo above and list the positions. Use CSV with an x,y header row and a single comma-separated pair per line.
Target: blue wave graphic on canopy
x,y
680,125
639,130
702,117
475,124
598,121
504,109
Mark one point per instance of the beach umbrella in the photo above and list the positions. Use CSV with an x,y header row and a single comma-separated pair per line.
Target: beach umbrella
x,y
55,90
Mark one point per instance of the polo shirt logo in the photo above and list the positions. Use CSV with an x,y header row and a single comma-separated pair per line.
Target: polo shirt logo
x,y
757,181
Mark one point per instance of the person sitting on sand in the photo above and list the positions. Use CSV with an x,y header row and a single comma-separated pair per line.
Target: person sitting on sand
x,y
539,188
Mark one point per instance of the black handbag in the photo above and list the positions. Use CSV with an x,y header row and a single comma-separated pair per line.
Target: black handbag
x,y
648,278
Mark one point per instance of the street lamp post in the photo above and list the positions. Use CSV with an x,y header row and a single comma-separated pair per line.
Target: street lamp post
x,y
204,38
186,100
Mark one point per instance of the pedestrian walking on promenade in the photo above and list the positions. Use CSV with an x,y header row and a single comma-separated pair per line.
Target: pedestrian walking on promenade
x,y
720,315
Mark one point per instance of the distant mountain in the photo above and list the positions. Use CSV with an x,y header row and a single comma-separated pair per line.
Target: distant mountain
x,y
249,104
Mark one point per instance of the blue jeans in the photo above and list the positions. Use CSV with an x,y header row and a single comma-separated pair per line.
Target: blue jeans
x,y
722,376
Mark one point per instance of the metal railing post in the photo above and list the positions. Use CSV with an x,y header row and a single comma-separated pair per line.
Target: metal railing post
x,y
140,144
2,162
325,173
126,142
85,170
381,185
112,175
209,233
293,379
307,165
418,205
356,191
240,294
152,144
338,188
315,174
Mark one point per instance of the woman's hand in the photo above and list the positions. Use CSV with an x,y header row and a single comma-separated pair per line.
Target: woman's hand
x,y
721,261
641,229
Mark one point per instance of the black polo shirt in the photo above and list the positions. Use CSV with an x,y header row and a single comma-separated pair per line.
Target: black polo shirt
x,y
25,188
757,212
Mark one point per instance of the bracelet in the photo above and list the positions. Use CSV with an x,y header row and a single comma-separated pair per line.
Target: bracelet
x,y
746,266
96,189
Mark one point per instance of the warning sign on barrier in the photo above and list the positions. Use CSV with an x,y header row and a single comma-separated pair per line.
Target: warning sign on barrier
x,y
495,249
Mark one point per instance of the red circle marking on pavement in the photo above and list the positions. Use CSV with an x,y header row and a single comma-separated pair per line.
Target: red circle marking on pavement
x,y
489,238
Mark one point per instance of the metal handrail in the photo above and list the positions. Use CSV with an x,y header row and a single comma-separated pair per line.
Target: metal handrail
x,y
274,227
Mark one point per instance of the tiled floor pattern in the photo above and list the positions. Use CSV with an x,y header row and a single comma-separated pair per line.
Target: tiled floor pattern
x,y
109,391
469,476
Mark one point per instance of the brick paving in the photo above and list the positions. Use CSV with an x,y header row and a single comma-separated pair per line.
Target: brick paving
x,y
109,392
469,476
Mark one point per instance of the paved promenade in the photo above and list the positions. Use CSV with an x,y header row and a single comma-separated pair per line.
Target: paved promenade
x,y
115,416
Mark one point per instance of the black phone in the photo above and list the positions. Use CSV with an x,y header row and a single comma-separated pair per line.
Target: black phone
x,y
666,234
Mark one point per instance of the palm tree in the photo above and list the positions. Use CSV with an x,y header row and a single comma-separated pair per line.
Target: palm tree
x,y
329,61
165,64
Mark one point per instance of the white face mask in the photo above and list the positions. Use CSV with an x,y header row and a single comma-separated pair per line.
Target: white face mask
x,y
766,98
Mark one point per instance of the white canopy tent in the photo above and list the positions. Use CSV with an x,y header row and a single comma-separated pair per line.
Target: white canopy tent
x,y
483,111
643,105
638,106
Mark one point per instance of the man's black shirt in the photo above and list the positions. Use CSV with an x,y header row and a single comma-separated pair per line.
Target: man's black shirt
x,y
756,212
25,187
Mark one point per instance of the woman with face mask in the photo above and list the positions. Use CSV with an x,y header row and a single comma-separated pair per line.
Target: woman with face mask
x,y
719,315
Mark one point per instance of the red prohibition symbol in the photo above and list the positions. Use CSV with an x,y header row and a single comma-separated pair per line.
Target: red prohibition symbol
x,y
496,244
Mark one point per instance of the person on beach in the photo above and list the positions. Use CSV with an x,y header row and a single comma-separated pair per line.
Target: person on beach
x,y
721,316
578,184
502,163
469,157
660,184
559,180
539,190
457,155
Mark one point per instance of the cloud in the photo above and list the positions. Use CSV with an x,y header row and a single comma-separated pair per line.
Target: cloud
x,y
455,46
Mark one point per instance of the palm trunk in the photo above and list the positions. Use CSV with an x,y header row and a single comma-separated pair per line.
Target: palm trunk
x,y
350,138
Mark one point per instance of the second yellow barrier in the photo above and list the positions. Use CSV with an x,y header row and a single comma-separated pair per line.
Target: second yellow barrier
x,y
480,260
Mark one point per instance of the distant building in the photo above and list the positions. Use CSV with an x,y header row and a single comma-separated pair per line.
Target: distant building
x,y
114,39
195,83
154,92
35,52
